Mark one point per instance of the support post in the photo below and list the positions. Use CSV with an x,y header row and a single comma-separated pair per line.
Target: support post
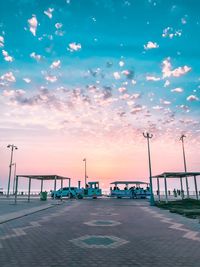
x,y
29,189
195,184
54,196
181,187
166,197
61,181
158,187
41,186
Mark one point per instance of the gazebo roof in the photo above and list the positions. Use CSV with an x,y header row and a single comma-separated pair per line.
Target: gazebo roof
x,y
176,174
43,176
129,182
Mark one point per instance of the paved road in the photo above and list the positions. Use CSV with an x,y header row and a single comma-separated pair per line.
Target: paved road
x,y
100,232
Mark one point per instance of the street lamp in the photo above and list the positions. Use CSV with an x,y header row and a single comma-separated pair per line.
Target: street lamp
x,y
10,166
85,171
14,179
184,161
149,136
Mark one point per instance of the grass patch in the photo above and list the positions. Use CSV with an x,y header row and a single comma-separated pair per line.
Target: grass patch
x,y
186,207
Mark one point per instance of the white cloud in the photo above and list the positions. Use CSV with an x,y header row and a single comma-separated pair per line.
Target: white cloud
x,y
49,12
166,69
51,78
151,45
116,75
7,57
165,102
16,93
184,20
27,80
135,96
122,89
74,47
33,23
171,33
168,72
152,78
58,25
192,98
180,71
177,90
35,56
1,41
9,77
55,64
185,108
167,83
137,109
121,63
125,96
157,107
133,82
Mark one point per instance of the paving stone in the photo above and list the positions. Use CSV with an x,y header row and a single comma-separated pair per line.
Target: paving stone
x,y
43,239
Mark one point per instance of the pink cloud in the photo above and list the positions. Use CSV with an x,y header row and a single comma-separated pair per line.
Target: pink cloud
x,y
151,45
152,78
168,72
33,23
177,90
192,98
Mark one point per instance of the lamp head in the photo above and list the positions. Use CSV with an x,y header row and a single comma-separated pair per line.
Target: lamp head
x,y
8,146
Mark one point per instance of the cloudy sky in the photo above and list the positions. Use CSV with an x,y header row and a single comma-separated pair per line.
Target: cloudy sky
x,y
84,79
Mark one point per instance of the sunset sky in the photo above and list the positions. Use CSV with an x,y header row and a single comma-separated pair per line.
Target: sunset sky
x,y
84,79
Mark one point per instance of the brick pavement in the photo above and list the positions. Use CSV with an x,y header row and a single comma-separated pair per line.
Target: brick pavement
x,y
148,236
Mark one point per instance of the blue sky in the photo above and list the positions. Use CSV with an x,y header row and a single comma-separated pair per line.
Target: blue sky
x,y
99,70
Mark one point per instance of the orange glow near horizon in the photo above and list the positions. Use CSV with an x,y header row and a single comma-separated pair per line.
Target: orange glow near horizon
x,y
106,162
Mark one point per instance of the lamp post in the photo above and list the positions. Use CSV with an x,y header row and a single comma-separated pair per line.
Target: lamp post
x,y
14,180
85,171
184,161
10,166
149,136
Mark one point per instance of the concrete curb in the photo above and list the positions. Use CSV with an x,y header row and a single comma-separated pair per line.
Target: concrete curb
x,y
19,214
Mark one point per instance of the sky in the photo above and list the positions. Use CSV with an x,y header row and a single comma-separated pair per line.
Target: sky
x,y
84,79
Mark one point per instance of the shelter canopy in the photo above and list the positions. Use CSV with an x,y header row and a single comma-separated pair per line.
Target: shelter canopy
x,y
44,177
176,174
129,182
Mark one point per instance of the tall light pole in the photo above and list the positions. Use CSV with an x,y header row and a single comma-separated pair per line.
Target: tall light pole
x,y
10,166
184,161
149,136
14,179
85,171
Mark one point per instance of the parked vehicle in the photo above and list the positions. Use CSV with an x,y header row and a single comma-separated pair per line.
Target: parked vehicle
x,y
135,191
92,190
65,192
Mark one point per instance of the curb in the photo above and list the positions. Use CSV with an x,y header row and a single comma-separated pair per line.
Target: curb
x,y
16,215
